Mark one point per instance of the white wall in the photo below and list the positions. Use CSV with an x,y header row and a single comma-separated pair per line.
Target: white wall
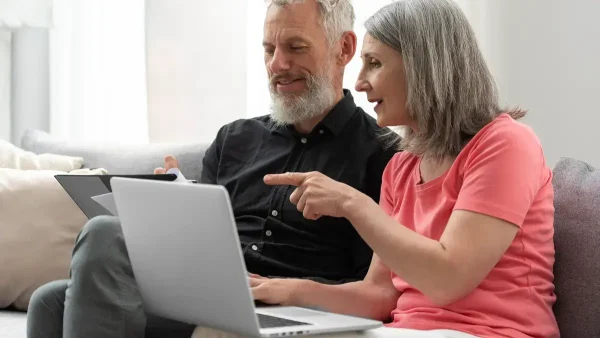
x,y
5,53
547,60
30,91
97,71
196,67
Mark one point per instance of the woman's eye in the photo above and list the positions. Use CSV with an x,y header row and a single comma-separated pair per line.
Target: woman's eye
x,y
374,63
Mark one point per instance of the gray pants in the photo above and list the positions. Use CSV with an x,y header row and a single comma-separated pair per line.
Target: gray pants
x,y
102,298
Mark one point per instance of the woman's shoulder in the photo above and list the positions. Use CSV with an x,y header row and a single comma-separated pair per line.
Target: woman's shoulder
x,y
501,142
400,167
506,134
403,160
505,129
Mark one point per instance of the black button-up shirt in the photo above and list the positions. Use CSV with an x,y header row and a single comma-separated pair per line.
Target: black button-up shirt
x,y
276,239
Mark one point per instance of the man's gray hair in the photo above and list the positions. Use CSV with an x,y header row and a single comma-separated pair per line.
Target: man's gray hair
x,y
451,92
337,16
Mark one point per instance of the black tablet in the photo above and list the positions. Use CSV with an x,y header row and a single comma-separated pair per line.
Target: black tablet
x,y
81,188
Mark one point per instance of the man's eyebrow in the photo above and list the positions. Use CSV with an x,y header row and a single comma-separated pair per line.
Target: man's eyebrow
x,y
297,38
292,39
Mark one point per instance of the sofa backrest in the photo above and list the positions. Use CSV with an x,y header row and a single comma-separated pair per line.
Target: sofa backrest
x,y
117,159
577,242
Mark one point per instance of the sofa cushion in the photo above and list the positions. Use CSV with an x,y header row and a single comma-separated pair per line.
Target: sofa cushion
x,y
38,225
577,241
120,159
15,158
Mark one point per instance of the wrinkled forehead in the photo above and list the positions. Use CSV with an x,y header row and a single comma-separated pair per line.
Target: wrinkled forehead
x,y
298,19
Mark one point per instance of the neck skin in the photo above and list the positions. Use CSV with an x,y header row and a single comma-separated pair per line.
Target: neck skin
x,y
305,127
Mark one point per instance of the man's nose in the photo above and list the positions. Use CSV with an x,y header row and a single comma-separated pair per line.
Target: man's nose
x,y
280,62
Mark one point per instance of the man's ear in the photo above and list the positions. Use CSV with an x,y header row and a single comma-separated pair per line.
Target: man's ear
x,y
348,44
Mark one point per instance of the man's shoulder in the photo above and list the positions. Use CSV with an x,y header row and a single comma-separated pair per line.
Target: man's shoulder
x,y
384,136
248,125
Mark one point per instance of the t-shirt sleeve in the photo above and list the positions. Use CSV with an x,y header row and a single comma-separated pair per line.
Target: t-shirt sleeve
x,y
503,173
386,197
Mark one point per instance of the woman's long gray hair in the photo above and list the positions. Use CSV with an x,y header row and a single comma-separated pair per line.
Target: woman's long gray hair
x,y
451,92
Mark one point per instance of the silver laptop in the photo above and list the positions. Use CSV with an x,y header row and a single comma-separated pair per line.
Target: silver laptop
x,y
185,254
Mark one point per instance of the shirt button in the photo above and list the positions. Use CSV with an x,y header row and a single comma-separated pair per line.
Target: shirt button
x,y
303,140
274,213
268,233
321,131
254,247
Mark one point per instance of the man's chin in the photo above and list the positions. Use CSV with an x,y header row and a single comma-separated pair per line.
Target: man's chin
x,y
282,119
289,96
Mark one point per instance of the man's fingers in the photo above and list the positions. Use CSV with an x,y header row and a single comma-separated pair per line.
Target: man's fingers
x,y
170,163
159,171
294,179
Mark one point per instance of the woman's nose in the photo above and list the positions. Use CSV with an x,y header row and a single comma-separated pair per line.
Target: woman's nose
x,y
362,85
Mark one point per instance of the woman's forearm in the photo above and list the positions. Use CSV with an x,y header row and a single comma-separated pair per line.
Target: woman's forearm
x,y
420,261
361,299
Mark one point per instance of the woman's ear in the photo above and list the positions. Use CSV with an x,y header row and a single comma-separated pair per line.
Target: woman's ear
x,y
348,44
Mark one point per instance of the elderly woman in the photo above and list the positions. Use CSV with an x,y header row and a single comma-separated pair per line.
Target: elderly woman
x,y
463,233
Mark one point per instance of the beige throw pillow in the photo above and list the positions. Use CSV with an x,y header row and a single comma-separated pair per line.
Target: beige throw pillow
x,y
16,158
38,226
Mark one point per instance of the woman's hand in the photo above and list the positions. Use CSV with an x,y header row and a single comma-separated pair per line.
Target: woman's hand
x,y
278,291
316,195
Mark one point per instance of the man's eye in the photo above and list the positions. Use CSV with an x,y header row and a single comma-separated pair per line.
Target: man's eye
x,y
298,48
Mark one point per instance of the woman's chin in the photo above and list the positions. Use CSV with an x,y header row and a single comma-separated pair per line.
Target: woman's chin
x,y
385,121
382,122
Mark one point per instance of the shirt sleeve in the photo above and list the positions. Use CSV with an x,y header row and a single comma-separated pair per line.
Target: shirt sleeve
x,y
210,161
386,199
503,173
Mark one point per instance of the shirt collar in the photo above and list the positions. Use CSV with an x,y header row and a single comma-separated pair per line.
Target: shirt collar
x,y
341,113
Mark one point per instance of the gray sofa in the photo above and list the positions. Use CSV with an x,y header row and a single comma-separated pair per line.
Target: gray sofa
x,y
577,223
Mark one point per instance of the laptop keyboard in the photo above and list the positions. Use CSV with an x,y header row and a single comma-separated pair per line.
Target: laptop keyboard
x,y
265,322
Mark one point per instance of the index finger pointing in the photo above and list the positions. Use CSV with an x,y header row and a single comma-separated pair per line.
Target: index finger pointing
x,y
294,179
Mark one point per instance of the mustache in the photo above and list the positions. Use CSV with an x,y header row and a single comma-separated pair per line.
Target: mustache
x,y
286,77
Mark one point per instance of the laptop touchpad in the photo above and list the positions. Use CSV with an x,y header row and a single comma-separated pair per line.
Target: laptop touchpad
x,y
298,312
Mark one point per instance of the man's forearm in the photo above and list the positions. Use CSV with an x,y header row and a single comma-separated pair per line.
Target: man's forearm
x,y
356,299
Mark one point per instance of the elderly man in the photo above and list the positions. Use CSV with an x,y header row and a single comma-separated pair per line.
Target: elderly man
x,y
314,126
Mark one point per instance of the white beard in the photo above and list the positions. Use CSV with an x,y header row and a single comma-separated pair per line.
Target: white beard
x,y
294,109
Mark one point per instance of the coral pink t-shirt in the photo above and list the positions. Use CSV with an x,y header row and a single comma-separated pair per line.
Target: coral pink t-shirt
x,y
501,173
